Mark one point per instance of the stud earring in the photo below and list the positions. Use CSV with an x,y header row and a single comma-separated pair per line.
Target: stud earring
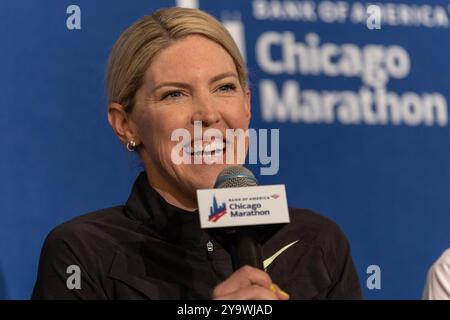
x,y
131,146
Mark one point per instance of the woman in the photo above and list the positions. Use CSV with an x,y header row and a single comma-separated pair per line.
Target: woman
x,y
168,71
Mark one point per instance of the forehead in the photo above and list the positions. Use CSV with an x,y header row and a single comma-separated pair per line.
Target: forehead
x,y
190,58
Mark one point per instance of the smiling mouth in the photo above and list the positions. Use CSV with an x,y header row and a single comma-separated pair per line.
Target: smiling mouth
x,y
200,148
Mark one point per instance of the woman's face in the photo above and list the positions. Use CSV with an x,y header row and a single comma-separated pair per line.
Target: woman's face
x,y
194,79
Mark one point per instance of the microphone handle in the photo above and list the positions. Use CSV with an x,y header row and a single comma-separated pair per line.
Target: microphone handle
x,y
245,249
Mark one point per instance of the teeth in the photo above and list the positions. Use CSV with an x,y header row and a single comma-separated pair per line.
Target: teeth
x,y
206,148
209,147
214,146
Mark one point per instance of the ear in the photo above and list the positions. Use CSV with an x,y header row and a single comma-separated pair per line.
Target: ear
x,y
122,123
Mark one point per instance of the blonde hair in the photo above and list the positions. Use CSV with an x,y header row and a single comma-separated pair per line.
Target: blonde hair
x,y
139,43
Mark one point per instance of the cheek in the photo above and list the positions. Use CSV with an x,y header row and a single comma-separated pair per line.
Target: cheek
x,y
156,128
237,117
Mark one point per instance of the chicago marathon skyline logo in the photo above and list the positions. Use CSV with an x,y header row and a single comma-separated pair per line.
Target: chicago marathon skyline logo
x,y
216,211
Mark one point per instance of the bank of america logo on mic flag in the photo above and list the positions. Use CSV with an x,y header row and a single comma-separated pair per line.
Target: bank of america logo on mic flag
x,y
216,211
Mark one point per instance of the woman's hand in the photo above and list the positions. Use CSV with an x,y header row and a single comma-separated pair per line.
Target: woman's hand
x,y
248,283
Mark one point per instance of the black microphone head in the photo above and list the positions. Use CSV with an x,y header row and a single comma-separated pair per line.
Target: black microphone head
x,y
235,177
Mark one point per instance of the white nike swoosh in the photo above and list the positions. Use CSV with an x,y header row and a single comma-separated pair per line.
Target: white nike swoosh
x,y
271,259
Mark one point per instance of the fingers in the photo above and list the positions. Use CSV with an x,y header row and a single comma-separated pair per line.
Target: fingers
x,y
242,278
249,283
252,292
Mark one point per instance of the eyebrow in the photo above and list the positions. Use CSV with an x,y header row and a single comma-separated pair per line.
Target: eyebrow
x,y
186,85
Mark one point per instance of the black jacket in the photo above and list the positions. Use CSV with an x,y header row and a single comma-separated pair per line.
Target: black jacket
x,y
149,249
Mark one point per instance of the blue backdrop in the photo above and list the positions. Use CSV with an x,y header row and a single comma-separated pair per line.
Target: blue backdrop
x,y
362,113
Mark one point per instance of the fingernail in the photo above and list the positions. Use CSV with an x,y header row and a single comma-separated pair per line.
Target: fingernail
x,y
273,288
284,293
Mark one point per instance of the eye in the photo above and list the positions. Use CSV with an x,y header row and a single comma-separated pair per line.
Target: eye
x,y
171,95
227,87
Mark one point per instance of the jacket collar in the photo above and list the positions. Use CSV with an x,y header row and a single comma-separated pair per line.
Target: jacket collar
x,y
166,221
175,240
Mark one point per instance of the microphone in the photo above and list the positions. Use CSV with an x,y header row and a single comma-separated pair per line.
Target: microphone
x,y
242,241
242,215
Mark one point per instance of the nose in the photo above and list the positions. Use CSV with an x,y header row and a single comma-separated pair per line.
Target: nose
x,y
205,111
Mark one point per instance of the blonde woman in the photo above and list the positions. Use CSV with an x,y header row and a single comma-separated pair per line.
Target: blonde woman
x,y
167,71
